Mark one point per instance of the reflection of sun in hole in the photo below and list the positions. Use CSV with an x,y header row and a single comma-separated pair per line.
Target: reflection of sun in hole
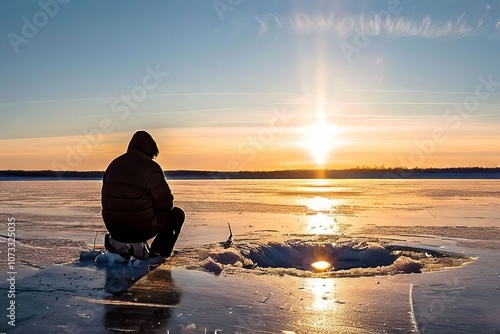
x,y
321,224
321,265
323,291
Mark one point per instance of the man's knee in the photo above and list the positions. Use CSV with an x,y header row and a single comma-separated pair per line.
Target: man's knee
x,y
179,215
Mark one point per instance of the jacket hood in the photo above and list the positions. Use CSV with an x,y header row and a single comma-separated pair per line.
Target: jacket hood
x,y
142,141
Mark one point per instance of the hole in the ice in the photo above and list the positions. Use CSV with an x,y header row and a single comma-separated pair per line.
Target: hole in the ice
x,y
321,257
331,257
351,258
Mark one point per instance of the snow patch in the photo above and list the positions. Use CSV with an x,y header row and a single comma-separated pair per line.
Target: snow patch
x,y
211,266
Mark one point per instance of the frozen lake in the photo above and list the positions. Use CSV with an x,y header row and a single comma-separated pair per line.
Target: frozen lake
x,y
72,208
55,220
65,215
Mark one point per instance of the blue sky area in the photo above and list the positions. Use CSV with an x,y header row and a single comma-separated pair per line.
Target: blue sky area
x,y
381,72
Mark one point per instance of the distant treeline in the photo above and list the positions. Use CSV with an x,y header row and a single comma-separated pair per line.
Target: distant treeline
x,y
352,173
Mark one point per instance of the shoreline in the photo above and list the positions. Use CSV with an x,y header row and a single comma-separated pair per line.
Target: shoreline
x,y
327,174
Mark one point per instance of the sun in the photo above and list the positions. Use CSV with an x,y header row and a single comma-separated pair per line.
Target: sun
x,y
320,139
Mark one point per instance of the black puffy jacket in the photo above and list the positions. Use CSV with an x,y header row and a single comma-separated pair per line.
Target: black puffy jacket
x,y
134,188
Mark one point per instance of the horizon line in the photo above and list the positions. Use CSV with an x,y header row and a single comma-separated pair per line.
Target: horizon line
x,y
362,168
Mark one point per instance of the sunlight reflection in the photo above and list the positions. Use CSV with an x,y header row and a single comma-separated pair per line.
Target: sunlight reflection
x,y
319,203
323,292
321,265
321,224
320,182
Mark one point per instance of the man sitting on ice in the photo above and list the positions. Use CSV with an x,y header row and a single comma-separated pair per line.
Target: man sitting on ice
x,y
137,203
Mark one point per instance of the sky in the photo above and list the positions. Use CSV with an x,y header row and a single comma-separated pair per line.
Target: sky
x,y
250,85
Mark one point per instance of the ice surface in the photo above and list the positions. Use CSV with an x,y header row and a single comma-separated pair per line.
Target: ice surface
x,y
56,220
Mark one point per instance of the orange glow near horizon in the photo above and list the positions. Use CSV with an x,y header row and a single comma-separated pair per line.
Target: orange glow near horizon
x,y
229,148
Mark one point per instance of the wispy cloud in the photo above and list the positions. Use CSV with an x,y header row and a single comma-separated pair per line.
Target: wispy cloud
x,y
269,21
150,95
263,26
497,30
26,120
388,103
171,112
374,25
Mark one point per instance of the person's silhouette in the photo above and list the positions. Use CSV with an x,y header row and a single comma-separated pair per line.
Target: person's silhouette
x,y
137,203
